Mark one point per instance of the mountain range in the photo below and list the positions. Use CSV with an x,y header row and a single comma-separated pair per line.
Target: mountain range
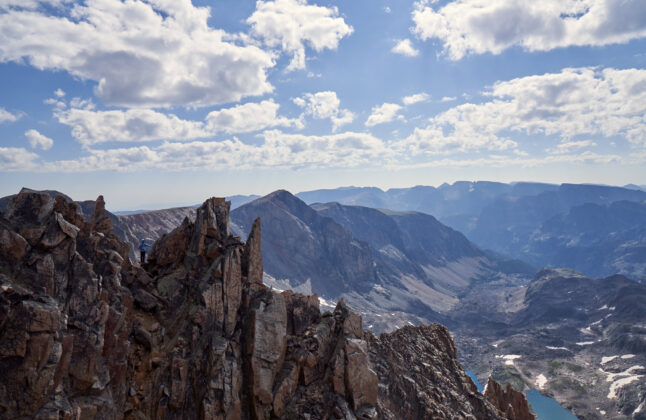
x,y
396,267
194,332
556,331
520,219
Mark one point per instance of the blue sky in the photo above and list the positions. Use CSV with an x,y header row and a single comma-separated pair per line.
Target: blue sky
x,y
165,102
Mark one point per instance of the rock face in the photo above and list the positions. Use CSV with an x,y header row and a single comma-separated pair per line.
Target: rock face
x,y
508,401
195,333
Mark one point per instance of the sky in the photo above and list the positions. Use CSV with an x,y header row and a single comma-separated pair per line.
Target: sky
x,y
154,103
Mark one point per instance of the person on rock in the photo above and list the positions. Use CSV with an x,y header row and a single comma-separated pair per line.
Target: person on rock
x,y
143,247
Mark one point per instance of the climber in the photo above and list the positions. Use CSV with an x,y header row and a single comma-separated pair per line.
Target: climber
x,y
143,247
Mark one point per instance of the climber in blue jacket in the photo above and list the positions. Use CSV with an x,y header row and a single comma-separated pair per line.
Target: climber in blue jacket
x,y
143,247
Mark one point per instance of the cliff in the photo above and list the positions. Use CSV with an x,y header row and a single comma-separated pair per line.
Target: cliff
x,y
194,333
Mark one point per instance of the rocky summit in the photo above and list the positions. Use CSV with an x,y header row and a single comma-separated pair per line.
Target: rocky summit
x,y
195,334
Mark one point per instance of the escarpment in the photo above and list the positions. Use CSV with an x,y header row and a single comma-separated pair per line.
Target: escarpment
x,y
194,333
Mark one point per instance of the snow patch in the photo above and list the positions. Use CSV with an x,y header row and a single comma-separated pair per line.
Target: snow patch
x,y
624,378
586,330
392,252
639,409
541,380
585,343
603,307
509,358
620,383
326,303
606,359
557,348
627,356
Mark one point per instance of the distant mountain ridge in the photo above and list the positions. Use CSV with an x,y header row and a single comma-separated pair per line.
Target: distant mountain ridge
x,y
447,200
515,219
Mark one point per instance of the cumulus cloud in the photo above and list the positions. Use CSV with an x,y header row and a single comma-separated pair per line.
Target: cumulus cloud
x,y
382,114
405,47
322,105
491,26
574,102
31,4
292,24
344,116
417,97
92,127
277,150
248,118
153,53
38,141
6,116
16,159
134,125
59,93
448,99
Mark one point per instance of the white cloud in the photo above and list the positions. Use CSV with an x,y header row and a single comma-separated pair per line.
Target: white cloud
x,y
278,150
16,159
404,47
481,26
345,116
38,141
247,118
6,116
387,9
31,4
574,102
321,105
448,99
92,127
382,114
571,146
502,161
413,99
59,93
292,24
134,125
155,53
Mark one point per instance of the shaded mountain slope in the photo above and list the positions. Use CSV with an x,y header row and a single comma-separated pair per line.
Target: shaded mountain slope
x,y
593,238
301,244
397,268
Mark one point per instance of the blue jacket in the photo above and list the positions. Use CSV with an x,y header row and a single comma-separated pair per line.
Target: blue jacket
x,y
143,246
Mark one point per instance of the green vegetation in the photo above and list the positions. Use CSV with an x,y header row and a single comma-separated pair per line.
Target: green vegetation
x,y
509,375
567,384
573,367
553,367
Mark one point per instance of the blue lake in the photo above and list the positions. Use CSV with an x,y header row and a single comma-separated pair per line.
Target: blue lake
x,y
546,408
